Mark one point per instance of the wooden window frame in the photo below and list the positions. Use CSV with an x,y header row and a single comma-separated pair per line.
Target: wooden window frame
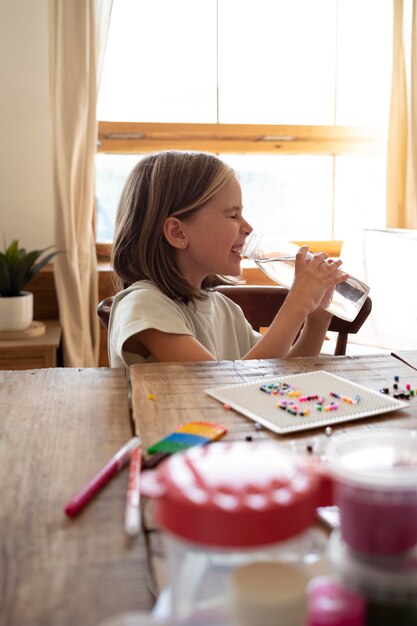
x,y
137,137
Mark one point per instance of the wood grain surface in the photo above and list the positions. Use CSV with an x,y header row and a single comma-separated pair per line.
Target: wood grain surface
x,y
58,427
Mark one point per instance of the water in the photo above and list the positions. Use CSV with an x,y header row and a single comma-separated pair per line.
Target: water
x,y
348,297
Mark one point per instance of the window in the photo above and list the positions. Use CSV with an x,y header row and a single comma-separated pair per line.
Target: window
x,y
294,95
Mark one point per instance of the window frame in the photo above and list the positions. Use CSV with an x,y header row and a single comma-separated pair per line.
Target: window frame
x,y
138,137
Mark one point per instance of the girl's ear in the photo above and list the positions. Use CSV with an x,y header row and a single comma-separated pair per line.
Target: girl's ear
x,y
174,233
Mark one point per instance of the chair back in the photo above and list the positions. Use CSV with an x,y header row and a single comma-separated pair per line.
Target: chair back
x,y
260,304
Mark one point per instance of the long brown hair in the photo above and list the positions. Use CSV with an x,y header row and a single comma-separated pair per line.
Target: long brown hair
x,y
160,185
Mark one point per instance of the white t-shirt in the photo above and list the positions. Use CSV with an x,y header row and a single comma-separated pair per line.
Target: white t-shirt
x,y
217,323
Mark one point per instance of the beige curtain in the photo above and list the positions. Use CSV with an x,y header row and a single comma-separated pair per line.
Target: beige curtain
x,y
402,133
78,34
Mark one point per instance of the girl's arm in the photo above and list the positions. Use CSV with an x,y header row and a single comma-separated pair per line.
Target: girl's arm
x,y
313,279
167,347
313,333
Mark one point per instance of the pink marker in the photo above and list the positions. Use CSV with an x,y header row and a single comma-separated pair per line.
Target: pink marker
x,y
94,485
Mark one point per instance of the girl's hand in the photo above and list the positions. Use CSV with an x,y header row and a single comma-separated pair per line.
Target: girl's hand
x,y
327,298
315,279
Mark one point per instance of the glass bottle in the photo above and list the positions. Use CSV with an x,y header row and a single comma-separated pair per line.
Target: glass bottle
x,y
276,259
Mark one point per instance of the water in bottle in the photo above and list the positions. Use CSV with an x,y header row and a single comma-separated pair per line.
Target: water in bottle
x,y
277,260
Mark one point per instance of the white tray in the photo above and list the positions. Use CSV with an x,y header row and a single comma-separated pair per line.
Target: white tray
x,y
248,399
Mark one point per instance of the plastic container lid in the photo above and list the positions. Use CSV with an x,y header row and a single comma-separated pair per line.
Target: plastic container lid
x,y
237,494
376,459
393,579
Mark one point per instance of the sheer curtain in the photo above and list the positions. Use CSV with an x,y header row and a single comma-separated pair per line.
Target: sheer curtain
x,y
402,133
78,34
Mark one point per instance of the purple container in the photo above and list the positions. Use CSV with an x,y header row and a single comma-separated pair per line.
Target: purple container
x,y
375,488
331,603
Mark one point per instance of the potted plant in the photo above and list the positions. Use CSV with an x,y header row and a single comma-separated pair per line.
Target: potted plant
x,y
17,268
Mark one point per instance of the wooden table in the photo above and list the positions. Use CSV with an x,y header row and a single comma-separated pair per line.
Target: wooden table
x,y
32,352
178,390
58,427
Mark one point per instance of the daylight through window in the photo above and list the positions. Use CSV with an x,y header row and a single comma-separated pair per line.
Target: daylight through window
x,y
294,95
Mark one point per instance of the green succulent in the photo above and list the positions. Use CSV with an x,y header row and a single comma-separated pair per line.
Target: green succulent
x,y
18,267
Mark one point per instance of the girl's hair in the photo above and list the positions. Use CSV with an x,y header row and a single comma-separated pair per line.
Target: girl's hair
x,y
160,185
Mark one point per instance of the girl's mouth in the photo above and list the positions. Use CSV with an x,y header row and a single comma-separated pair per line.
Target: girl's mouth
x,y
237,250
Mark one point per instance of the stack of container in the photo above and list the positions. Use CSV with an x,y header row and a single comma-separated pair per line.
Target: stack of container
x,y
237,520
375,551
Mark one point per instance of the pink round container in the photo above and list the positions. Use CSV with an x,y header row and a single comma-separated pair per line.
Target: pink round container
x,y
375,488
331,603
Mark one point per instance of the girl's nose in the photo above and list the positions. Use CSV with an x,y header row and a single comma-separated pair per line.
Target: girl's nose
x,y
246,228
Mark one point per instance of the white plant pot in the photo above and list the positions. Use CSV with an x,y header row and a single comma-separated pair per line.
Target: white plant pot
x,y
16,313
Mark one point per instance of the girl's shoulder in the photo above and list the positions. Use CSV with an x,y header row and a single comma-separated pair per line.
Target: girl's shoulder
x,y
143,295
141,288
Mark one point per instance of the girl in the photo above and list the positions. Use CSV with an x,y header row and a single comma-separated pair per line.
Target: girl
x,y
179,232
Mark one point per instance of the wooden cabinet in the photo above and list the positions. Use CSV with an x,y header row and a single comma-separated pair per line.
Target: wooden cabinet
x,y
32,353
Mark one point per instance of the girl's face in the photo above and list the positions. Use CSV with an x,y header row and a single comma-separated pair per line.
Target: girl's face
x,y
214,237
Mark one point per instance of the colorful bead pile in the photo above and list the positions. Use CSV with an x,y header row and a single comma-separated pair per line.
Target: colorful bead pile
x,y
292,408
346,399
404,394
283,388
280,388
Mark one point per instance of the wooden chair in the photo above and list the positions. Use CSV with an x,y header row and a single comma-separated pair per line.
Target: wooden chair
x,y
260,305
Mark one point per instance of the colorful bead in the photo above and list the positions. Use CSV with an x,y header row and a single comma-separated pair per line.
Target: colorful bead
x,y
335,395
